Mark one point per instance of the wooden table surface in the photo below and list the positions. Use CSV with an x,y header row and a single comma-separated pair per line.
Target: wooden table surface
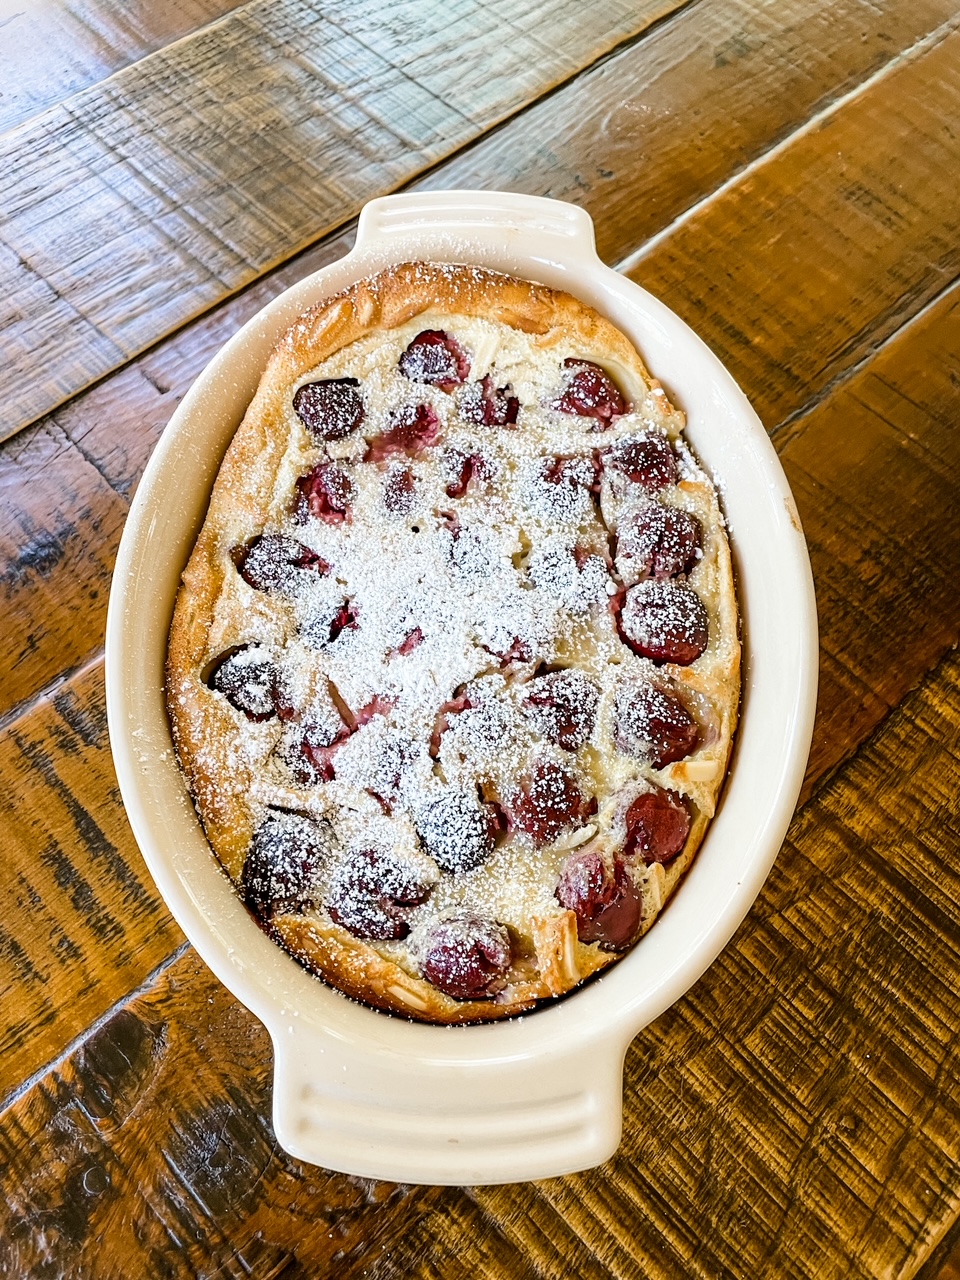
x,y
785,177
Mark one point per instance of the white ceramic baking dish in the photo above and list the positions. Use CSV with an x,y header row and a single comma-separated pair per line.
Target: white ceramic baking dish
x,y
370,1094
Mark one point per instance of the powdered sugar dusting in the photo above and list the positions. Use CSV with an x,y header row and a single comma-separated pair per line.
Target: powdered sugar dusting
x,y
448,535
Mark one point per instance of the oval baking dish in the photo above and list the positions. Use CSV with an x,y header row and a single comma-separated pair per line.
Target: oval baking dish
x,y
539,1095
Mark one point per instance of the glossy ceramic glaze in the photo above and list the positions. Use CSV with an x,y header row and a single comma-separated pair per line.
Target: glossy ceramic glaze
x,y
369,1094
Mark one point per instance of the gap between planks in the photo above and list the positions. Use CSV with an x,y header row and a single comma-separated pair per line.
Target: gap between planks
x,y
27,706
78,1041
789,427
809,126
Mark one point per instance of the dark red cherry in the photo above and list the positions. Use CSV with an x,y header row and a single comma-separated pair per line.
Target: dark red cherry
x,y
486,405
548,803
457,830
249,681
442,723
608,906
330,409
346,619
284,864
517,651
461,469
653,725
658,823
647,460
562,705
664,621
571,473
590,392
409,430
329,621
467,956
311,761
399,491
412,640
273,562
659,542
325,493
436,358
369,892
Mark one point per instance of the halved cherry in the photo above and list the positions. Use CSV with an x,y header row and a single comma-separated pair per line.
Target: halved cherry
x,y
562,705
325,493
457,830
658,823
664,621
461,469
283,867
324,625
436,358
467,956
487,405
548,802
410,430
608,906
249,681
658,541
273,561
329,409
399,491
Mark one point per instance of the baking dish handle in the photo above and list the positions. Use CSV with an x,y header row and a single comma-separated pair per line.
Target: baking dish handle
x,y
447,1120
461,225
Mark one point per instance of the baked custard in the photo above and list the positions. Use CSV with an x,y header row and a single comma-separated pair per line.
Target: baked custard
x,y
454,668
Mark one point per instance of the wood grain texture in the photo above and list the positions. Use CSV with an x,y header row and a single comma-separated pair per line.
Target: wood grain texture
x,y
55,48
875,470
797,1114
60,525
84,924
150,1153
846,227
642,137
216,158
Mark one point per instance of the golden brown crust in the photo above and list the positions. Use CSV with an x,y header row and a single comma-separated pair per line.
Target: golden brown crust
x,y
251,494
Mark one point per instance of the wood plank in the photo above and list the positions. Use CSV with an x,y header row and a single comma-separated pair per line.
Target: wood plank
x,y
60,525
848,231
166,172
875,470
86,925
642,137
151,1170
51,50
795,1114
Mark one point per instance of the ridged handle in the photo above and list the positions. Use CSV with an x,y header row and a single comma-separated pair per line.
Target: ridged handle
x,y
446,1122
550,231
